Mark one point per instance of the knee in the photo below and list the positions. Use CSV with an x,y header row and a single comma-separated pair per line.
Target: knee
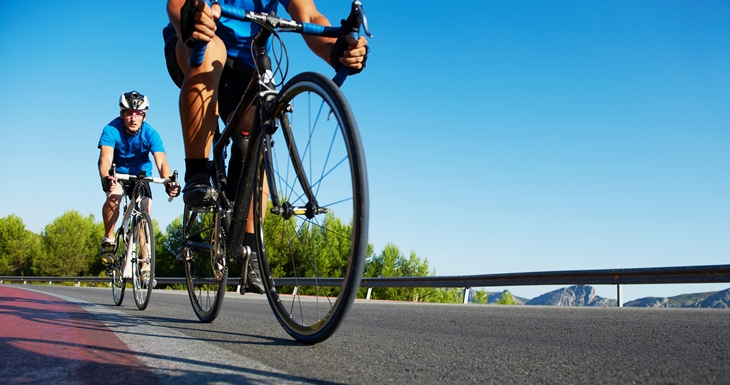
x,y
113,199
212,67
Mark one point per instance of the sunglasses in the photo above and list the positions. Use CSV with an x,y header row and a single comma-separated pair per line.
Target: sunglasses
x,y
133,113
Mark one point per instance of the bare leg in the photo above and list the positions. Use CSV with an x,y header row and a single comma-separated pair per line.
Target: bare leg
x,y
146,207
199,98
110,211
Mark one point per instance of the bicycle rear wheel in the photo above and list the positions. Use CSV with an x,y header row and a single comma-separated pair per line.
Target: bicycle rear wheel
x,y
144,253
119,283
313,239
206,270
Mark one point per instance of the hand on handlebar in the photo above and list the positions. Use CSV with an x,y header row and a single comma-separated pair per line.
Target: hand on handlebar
x,y
172,188
351,53
107,183
198,22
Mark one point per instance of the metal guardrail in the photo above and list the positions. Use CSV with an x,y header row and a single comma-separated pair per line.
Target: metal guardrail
x,y
24,279
657,275
618,277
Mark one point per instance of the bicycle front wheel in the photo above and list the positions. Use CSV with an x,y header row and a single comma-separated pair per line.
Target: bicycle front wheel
x,y
311,209
119,283
144,260
206,270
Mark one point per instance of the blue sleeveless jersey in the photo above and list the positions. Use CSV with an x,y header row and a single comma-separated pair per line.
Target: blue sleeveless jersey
x,y
237,35
131,153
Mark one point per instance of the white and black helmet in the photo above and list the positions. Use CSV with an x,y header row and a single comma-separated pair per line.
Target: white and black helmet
x,y
133,100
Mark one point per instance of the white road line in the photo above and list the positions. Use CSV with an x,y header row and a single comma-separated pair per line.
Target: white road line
x,y
176,358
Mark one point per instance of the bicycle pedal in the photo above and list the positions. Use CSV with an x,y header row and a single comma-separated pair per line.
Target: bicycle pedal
x,y
204,208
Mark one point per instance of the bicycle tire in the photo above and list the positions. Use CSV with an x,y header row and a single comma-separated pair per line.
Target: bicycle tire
x,y
317,259
144,244
206,270
119,283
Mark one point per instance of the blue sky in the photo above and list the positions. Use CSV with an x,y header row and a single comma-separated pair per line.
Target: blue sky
x,y
501,136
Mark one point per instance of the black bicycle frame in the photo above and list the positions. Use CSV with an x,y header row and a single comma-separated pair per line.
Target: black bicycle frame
x,y
257,87
261,88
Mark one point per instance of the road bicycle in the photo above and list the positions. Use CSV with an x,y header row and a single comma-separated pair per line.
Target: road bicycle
x,y
134,253
304,177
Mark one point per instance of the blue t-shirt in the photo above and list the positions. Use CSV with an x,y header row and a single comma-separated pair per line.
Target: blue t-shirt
x,y
131,153
237,35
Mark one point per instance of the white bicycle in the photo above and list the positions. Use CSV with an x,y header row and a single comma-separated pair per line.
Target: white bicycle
x,y
134,254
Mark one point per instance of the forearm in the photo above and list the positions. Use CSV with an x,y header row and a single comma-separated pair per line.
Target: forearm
x,y
173,13
104,166
162,166
164,170
321,46
304,11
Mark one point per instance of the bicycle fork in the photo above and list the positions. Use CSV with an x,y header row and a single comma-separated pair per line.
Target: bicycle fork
x,y
130,257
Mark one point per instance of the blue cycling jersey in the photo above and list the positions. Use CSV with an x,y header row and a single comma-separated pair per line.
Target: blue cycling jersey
x,y
131,153
237,35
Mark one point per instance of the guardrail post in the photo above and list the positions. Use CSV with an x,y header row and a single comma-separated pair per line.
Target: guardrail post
x,y
466,295
618,296
78,283
370,291
50,283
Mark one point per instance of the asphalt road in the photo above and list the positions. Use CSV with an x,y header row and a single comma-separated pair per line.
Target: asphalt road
x,y
413,343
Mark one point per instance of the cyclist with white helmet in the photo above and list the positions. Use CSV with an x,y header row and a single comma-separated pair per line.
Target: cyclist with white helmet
x,y
127,142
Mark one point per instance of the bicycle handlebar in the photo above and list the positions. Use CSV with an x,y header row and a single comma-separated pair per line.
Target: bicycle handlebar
x,y
144,178
350,26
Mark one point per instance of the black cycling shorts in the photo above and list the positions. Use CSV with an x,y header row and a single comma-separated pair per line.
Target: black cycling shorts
x,y
145,189
234,79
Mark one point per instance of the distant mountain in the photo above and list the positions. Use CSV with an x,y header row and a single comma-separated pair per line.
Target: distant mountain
x,y
580,295
649,302
712,299
585,295
721,299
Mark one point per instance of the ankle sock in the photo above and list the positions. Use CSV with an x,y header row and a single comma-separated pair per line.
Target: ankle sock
x,y
194,167
250,241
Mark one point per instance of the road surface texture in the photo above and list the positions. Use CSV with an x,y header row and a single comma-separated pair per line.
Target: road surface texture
x,y
70,335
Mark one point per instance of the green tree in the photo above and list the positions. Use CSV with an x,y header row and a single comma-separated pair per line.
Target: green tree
x,y
167,246
480,297
506,299
442,295
72,247
18,247
392,263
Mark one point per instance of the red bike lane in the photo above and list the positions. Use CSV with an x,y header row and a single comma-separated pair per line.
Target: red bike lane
x,y
45,339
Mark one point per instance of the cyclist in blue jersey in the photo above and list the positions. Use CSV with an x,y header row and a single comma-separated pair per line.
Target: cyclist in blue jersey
x,y
127,142
214,88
